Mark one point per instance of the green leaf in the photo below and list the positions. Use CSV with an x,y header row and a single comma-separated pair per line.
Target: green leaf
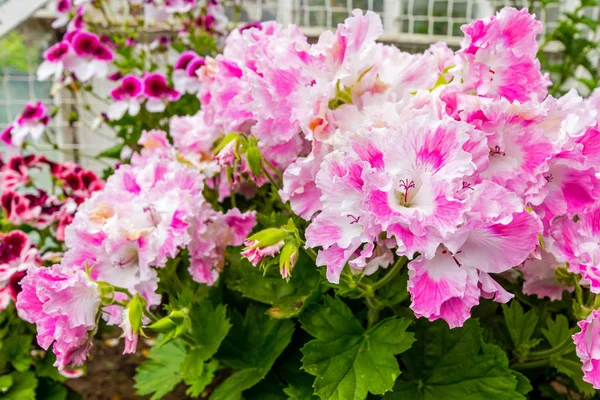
x,y
520,325
299,383
112,152
251,348
16,350
209,327
269,388
51,390
558,331
287,298
161,372
347,360
6,382
454,364
523,384
23,386
44,367
196,373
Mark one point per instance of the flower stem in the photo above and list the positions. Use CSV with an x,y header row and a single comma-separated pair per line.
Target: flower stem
x,y
564,345
402,261
532,364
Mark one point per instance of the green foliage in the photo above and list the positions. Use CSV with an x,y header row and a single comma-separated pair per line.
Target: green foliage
x,y
22,386
520,326
210,326
574,34
456,364
348,360
252,346
287,299
161,372
17,55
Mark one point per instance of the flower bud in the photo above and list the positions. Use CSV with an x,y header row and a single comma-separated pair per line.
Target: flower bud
x,y
135,312
254,159
266,237
287,260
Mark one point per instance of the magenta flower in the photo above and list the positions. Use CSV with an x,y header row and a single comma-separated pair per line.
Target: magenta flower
x,y
90,56
128,98
185,77
158,92
32,122
17,254
53,64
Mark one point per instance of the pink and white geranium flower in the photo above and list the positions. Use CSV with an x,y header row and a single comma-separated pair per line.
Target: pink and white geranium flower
x,y
185,76
158,92
64,306
128,97
54,61
89,57
31,123
587,345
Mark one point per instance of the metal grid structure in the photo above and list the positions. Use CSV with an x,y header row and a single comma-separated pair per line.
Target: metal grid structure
x,y
412,24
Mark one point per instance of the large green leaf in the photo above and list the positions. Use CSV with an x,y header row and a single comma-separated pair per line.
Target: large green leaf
x,y
251,348
348,360
161,372
454,364
209,327
197,373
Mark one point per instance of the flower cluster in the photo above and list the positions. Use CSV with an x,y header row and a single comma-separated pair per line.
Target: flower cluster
x,y
83,54
132,92
22,202
17,255
145,214
459,161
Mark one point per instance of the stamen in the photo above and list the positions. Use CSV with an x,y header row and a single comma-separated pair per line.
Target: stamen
x,y
497,151
406,185
549,178
354,219
466,185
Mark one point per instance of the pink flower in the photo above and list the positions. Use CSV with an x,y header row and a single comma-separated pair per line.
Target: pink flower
x,y
63,8
54,61
89,56
158,92
493,241
18,208
185,77
17,254
64,306
498,57
540,279
577,242
587,343
213,232
32,122
128,98
194,140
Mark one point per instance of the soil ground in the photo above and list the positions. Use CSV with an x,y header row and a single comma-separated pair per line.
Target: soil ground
x,y
110,374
